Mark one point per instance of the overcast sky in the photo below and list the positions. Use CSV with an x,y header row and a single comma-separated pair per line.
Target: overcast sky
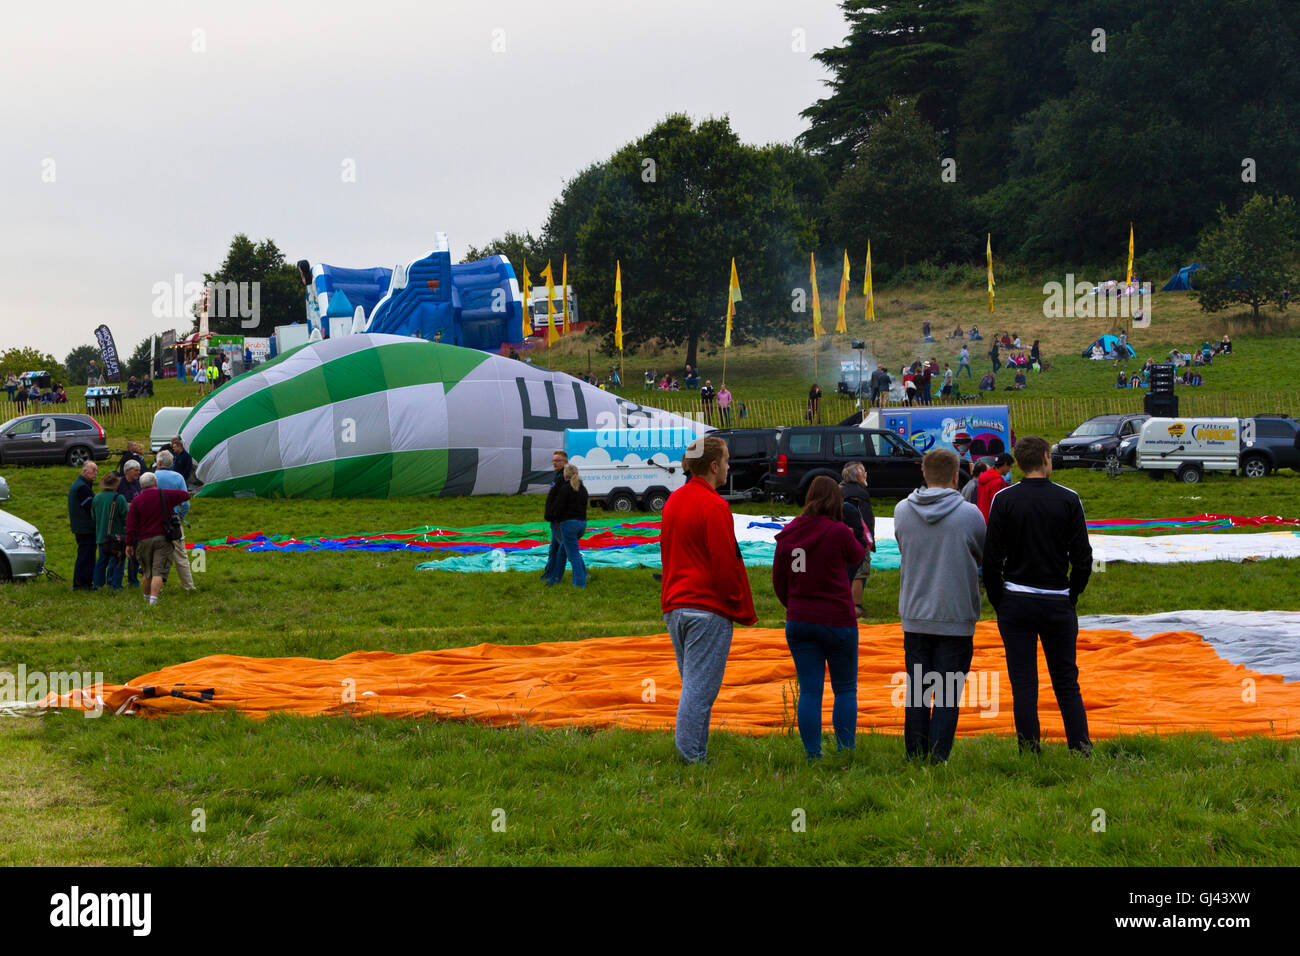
x,y
163,142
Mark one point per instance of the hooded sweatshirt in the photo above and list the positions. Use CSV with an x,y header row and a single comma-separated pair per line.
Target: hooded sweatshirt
x,y
810,570
990,483
941,542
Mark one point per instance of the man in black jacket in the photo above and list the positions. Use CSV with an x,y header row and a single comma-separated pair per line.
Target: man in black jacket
x,y
1037,560
80,496
552,515
854,489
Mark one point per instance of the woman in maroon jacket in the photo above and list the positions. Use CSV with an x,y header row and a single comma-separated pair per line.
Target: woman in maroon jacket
x,y
810,574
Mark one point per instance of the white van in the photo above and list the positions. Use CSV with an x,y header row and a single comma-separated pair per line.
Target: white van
x,y
626,468
166,426
1189,447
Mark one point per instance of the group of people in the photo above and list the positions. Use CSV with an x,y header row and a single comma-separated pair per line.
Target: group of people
x,y
959,333
690,380
716,400
139,388
22,393
135,522
1032,553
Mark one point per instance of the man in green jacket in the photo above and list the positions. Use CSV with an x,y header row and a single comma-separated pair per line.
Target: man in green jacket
x,y
80,496
109,512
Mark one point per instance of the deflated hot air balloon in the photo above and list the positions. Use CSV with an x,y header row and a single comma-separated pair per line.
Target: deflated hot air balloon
x,y
387,416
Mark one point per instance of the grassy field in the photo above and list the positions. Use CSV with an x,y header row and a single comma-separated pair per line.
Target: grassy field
x,y
374,791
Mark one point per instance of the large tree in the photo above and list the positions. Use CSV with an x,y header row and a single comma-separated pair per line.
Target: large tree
x,y
515,246
279,290
1249,257
17,361
674,207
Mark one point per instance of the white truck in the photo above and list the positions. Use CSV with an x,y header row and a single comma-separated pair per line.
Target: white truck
x,y
627,468
537,307
1189,447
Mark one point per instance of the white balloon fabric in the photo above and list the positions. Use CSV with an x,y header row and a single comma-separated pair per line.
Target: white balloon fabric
x,y
384,416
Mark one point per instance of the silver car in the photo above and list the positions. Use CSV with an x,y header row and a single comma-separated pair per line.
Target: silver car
x,y
22,549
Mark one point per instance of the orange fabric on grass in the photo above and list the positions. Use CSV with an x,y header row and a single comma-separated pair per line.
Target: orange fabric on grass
x,y
1168,683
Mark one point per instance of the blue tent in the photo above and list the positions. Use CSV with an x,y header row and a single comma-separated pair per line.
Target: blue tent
x,y
1182,279
1109,347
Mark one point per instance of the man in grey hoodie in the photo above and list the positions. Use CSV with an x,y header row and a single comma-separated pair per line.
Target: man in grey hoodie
x,y
940,539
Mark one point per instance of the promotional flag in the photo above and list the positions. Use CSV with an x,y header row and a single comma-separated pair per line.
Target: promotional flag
x,y
552,336
733,296
817,302
866,288
840,325
1128,275
108,351
528,298
989,250
564,291
618,305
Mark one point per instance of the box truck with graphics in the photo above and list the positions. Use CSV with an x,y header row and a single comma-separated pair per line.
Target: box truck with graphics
x,y
972,431
629,468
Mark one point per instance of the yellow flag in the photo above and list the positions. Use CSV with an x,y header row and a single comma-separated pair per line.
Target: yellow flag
x,y
552,336
528,295
618,305
564,291
1128,278
866,288
817,302
989,250
733,296
840,325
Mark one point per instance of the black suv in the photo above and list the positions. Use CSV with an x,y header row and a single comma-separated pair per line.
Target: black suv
x,y
1276,445
804,452
750,456
1097,440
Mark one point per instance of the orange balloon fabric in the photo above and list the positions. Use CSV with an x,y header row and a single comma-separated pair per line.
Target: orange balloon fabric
x,y
1169,683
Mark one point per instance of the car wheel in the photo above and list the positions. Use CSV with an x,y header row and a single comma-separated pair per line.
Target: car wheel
x,y
6,573
1189,474
1254,466
78,455
621,501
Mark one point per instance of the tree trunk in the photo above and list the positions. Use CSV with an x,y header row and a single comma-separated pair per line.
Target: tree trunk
x,y
692,347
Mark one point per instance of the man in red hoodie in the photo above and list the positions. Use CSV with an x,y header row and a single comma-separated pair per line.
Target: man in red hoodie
x,y
705,589
991,482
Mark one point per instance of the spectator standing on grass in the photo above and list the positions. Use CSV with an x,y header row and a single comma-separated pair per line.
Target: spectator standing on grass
x,y
82,521
854,489
991,482
109,511
1037,561
940,543
946,390
971,489
11,385
815,403
724,406
559,459
704,589
810,574
927,373
21,399
571,514
133,452
146,534
707,398
128,488
183,462
168,479
996,356
909,386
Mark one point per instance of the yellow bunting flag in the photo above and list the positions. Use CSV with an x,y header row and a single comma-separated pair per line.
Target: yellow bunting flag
x,y
989,250
1128,276
564,291
866,288
552,336
618,305
528,295
840,324
817,302
733,296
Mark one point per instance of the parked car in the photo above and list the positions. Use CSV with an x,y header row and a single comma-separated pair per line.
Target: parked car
x,y
751,455
1098,440
804,452
1276,445
22,549
52,438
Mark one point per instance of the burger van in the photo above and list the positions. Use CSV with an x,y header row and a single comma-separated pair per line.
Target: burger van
x,y
1189,447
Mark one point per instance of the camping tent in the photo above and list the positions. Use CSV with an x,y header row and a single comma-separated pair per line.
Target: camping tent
x,y
1109,347
380,416
1182,279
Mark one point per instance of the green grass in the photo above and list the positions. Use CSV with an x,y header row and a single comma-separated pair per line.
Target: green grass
x,y
375,791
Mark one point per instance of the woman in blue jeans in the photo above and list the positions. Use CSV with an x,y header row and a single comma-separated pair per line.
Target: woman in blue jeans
x,y
571,513
811,574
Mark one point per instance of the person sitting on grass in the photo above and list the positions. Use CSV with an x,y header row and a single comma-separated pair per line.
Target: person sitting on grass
x,y
1135,381
1020,381
988,383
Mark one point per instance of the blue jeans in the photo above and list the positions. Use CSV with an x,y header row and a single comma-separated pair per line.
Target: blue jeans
x,y
553,555
929,659
815,647
570,532
701,642
108,570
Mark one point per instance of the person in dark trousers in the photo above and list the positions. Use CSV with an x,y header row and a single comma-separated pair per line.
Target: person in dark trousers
x,y
182,461
940,542
704,590
559,460
109,512
815,404
80,498
707,398
571,516
1037,560
854,489
810,574
995,355
128,488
